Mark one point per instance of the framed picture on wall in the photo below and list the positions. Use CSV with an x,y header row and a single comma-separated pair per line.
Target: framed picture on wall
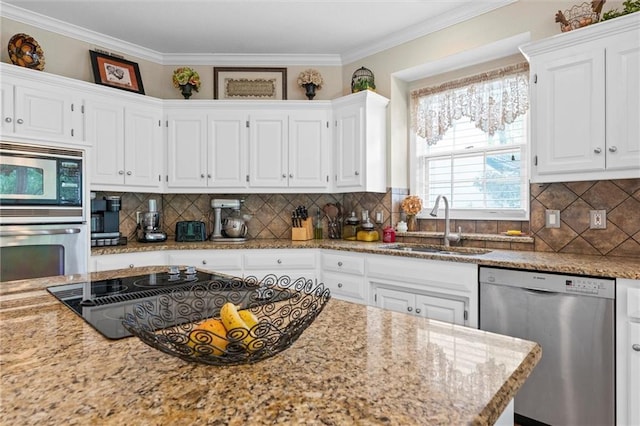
x,y
116,72
249,83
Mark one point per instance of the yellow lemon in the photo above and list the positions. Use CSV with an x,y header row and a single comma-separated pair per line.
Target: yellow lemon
x,y
209,336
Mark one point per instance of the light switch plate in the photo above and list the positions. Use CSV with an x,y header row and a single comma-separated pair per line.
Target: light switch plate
x,y
552,218
597,219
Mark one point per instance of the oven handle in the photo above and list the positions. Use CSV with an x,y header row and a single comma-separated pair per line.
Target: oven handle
x,y
26,233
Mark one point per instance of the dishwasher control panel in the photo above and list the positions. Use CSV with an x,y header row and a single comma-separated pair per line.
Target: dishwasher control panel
x,y
549,282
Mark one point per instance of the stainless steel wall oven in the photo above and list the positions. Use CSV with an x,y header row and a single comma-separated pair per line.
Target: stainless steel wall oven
x,y
43,228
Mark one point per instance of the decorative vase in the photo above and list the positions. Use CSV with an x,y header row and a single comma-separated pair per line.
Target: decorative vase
x,y
310,90
186,90
412,223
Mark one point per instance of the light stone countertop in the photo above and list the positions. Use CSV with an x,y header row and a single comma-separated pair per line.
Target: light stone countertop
x,y
354,365
599,266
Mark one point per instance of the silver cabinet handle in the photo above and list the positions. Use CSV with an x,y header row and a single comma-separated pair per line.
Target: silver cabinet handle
x,y
131,265
202,175
417,310
409,309
339,285
284,176
613,148
204,262
597,150
209,175
20,121
129,173
120,172
279,261
339,263
27,233
8,119
635,347
357,173
291,175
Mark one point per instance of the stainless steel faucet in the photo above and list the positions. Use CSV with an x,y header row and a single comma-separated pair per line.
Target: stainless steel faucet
x,y
447,235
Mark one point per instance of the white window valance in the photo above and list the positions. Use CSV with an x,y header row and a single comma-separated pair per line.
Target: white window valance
x,y
490,100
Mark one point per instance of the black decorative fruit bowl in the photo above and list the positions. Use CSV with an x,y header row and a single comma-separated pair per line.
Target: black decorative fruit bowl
x,y
228,322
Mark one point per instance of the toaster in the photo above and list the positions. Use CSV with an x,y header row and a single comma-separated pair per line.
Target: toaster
x,y
190,231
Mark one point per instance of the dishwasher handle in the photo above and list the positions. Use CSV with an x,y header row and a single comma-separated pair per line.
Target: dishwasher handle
x,y
535,290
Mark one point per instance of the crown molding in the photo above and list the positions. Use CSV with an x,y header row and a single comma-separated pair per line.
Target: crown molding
x,y
253,60
425,28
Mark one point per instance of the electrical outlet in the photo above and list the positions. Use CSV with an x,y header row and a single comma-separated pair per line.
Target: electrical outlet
x,y
552,218
597,219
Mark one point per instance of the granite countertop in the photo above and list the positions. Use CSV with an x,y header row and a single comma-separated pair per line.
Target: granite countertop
x,y
355,364
600,266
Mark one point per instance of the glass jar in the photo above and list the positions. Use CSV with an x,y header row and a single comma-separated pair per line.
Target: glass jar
x,y
351,227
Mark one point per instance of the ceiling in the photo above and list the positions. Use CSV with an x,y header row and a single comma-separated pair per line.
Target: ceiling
x,y
329,32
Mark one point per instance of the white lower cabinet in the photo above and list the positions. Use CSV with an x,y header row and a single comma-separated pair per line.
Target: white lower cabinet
x,y
295,263
343,274
441,290
627,352
127,260
223,261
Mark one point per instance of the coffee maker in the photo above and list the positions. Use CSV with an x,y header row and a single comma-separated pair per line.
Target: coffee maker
x,y
149,225
105,222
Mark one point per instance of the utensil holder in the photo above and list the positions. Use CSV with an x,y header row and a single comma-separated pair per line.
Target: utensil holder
x,y
304,233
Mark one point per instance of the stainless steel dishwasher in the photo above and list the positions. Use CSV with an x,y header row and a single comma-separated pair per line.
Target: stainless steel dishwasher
x,y
572,318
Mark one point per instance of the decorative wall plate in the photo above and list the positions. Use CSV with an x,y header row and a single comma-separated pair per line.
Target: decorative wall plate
x,y
25,51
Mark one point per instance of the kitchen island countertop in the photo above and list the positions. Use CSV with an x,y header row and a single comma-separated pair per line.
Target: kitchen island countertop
x,y
354,365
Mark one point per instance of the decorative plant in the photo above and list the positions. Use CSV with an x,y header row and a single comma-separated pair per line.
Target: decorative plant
x,y
186,75
310,76
363,84
411,205
630,6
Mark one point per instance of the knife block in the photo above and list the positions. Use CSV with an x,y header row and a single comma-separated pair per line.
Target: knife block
x,y
304,233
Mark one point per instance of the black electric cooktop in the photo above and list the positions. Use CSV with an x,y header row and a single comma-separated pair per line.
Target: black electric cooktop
x,y
104,303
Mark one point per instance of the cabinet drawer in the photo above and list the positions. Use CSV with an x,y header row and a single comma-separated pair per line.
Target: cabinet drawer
x,y
279,260
346,287
343,263
213,260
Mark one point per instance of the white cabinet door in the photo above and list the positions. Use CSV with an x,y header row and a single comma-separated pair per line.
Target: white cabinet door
x,y
349,146
623,103
143,146
293,264
343,274
187,149
222,261
6,103
395,300
104,130
633,376
627,352
441,308
227,150
268,147
569,111
45,111
308,159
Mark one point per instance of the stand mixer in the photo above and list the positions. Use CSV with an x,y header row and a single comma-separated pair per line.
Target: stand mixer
x,y
149,225
232,228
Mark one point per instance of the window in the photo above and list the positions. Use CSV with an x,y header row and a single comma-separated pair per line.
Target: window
x,y
470,142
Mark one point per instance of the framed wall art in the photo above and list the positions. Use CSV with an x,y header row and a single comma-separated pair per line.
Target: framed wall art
x,y
116,72
249,83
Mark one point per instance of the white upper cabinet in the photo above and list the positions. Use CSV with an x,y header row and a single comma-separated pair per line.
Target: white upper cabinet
x,y
127,144
360,142
39,109
227,149
268,144
585,100
309,149
187,149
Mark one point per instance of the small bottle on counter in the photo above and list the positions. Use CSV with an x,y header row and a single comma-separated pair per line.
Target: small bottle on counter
x,y
317,230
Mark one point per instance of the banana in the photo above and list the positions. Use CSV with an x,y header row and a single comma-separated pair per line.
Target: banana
x,y
232,320
248,317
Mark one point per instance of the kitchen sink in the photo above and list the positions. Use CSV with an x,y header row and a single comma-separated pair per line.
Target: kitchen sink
x,y
435,250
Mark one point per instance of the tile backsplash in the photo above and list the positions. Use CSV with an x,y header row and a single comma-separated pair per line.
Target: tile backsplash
x,y
271,214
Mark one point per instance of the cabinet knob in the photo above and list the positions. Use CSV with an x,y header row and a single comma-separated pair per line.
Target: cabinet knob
x,y
417,310
635,347
120,172
204,262
209,176
8,119
597,150
202,175
291,175
279,261
284,176
131,265
339,263
410,309
339,285
20,121
129,173
613,148
357,173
